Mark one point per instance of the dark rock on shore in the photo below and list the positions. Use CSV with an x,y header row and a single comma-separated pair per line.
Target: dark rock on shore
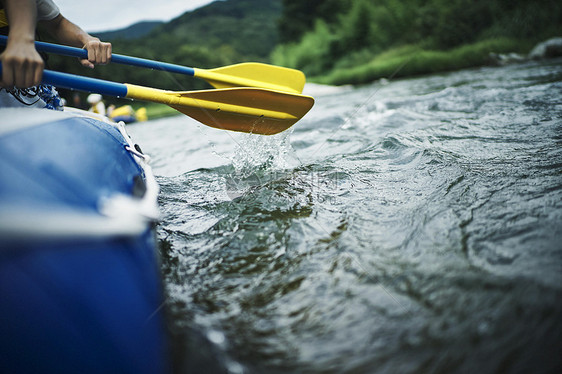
x,y
547,49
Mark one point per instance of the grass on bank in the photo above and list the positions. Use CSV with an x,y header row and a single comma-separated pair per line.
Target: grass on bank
x,y
414,60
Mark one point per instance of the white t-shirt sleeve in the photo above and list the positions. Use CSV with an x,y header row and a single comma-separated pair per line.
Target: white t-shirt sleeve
x,y
46,10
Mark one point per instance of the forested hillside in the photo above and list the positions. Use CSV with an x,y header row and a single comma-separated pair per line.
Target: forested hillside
x,y
136,31
246,27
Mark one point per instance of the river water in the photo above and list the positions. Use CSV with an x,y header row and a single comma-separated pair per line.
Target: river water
x,y
411,226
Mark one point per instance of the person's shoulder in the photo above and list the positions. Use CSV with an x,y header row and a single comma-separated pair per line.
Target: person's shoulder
x,y
46,10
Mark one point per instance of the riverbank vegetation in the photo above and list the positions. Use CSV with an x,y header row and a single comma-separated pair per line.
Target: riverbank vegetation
x,y
345,41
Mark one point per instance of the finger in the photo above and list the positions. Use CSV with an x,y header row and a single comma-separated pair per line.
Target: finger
x,y
91,54
20,72
7,75
26,74
38,74
105,52
108,51
87,63
100,54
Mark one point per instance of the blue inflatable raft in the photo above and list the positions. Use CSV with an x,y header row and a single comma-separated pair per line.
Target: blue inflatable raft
x,y
80,289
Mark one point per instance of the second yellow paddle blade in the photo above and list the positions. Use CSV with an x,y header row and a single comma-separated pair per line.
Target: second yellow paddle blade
x,y
253,74
248,110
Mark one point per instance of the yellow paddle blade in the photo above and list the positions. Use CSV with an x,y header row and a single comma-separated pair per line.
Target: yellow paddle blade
x,y
253,74
251,110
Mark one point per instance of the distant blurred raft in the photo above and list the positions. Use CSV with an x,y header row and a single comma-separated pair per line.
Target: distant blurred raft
x,y
127,114
80,289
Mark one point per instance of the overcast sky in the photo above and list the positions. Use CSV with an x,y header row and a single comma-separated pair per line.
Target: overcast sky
x,y
103,15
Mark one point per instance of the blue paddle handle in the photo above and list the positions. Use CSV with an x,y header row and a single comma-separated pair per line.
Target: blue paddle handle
x,y
118,59
76,82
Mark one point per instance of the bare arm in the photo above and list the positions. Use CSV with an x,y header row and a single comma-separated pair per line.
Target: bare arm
x,y
68,33
22,66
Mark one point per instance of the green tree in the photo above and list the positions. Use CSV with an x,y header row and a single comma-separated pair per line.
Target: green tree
x,y
299,16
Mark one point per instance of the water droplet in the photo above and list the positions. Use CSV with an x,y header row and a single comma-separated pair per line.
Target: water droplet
x,y
216,337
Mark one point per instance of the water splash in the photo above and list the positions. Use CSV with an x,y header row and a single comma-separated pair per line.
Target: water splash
x,y
263,153
258,160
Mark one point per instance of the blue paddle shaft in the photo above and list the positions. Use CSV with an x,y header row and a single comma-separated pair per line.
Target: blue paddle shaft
x,y
118,59
80,83
77,82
